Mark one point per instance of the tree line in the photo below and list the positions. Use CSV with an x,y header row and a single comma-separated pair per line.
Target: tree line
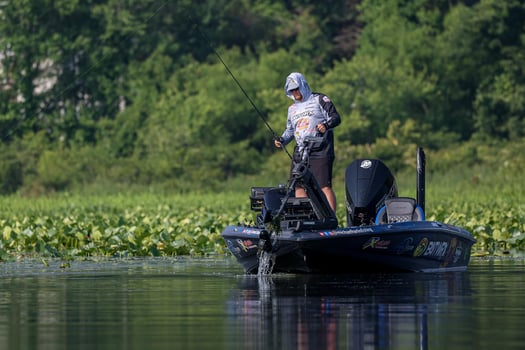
x,y
141,92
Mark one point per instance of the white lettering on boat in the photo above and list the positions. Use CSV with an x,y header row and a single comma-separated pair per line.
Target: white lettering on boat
x,y
436,248
251,231
353,230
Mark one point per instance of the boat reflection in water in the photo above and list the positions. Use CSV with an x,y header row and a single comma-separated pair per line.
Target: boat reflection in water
x,y
334,312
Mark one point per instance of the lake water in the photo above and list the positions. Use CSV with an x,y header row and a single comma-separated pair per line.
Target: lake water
x,y
186,303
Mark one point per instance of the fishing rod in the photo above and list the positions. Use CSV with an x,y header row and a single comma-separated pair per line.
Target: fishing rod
x,y
275,137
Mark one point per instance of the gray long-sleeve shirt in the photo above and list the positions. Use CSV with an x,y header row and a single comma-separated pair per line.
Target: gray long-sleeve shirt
x,y
305,115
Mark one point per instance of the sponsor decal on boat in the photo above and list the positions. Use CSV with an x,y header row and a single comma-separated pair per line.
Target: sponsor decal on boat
x,y
454,252
353,230
251,231
407,245
344,231
436,248
376,243
459,254
236,251
421,247
451,252
246,244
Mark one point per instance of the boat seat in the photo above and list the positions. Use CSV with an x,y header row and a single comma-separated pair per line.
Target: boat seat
x,y
399,209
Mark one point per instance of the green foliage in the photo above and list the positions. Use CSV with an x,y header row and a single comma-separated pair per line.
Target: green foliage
x,y
11,177
111,226
54,170
119,95
134,92
499,107
479,190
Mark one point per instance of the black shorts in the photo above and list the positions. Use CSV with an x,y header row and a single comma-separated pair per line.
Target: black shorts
x,y
321,168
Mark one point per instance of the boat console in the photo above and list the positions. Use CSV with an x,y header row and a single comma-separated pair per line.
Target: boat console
x,y
293,213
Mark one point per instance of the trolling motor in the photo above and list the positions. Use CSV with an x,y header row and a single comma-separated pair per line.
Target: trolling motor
x,y
265,242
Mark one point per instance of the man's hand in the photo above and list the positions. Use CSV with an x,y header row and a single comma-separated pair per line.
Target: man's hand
x,y
278,142
322,128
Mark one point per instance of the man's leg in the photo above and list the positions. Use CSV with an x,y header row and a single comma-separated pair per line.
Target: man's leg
x,y
330,196
300,192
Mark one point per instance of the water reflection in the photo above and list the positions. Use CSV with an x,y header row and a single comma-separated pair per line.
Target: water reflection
x,y
334,312
114,304
210,304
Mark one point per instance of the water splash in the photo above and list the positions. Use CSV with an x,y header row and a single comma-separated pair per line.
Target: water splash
x,y
264,255
266,261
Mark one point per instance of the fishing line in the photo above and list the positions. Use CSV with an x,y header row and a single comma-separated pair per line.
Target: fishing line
x,y
239,85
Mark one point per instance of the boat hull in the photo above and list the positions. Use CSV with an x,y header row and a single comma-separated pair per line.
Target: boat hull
x,y
418,246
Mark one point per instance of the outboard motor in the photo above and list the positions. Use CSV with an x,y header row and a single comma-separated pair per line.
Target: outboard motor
x,y
368,183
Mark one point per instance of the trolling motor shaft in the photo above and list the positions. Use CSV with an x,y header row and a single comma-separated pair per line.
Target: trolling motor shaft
x,y
265,242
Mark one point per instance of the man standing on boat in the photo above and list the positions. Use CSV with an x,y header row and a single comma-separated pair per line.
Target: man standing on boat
x,y
311,114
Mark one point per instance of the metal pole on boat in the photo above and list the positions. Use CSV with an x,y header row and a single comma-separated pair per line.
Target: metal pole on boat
x,y
421,178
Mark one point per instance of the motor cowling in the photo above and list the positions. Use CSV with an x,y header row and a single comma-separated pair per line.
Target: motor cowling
x,y
368,183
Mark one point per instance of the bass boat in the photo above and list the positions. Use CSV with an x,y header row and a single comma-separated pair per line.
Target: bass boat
x,y
384,232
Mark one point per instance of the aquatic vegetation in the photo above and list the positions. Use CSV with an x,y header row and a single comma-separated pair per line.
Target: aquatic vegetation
x,y
74,227
498,229
148,224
